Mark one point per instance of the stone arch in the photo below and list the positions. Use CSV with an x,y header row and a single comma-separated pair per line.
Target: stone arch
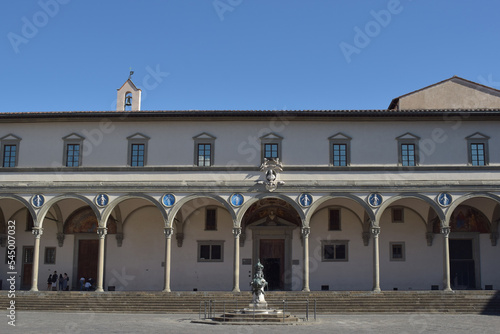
x,y
114,204
24,202
47,206
83,220
387,203
317,204
247,205
177,207
466,197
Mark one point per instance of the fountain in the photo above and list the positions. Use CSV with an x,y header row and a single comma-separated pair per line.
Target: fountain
x,y
257,311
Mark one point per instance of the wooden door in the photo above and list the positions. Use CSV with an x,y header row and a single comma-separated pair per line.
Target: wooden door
x,y
88,254
27,268
272,257
462,265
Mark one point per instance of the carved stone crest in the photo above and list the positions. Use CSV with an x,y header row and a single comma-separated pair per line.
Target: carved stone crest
x,y
271,169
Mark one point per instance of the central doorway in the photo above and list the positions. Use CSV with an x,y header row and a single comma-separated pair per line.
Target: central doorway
x,y
272,257
462,264
88,253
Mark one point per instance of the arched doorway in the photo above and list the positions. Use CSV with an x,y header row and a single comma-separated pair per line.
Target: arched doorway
x,y
272,223
83,224
466,223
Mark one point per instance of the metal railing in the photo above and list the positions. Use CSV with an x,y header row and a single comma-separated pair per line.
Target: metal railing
x,y
210,309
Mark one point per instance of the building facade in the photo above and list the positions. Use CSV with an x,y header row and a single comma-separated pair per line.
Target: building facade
x,y
406,198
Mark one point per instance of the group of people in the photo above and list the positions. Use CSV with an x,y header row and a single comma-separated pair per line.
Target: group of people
x,y
86,285
55,280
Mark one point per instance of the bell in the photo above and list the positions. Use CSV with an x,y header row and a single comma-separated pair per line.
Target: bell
x,y
128,101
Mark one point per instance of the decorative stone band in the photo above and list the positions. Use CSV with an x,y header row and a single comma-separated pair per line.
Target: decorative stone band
x,y
375,231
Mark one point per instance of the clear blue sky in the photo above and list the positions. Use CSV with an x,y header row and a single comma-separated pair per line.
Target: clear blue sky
x,y
240,54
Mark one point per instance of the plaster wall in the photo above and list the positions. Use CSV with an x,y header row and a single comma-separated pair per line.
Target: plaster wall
x,y
354,274
490,273
137,265
422,266
450,95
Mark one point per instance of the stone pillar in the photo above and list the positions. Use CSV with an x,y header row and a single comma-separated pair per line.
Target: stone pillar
x,y
446,265
236,264
101,231
37,232
305,236
168,231
376,259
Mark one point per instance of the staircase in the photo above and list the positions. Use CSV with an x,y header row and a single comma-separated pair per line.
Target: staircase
x,y
325,302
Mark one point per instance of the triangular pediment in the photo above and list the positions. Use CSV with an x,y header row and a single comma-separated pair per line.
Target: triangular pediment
x,y
73,136
271,136
478,135
129,86
339,136
10,136
139,136
204,135
408,136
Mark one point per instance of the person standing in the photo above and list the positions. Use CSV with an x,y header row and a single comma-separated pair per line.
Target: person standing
x,y
82,283
54,281
61,281
65,282
49,283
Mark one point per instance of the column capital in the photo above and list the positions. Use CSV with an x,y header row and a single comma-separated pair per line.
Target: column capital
x,y
445,230
168,231
375,231
306,231
102,231
37,232
236,232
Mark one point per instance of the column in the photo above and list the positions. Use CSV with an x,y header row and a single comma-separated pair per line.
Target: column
x,y
376,259
236,264
305,236
101,231
37,232
168,231
446,265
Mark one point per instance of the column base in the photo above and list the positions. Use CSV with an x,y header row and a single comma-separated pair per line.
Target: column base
x,y
376,290
166,290
236,290
99,290
34,290
306,290
447,290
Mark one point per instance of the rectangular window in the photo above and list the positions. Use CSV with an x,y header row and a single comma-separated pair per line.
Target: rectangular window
x,y
477,154
210,251
334,250
72,155
339,154
211,220
204,154
334,220
9,155
270,151
408,154
50,255
137,156
397,251
397,215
